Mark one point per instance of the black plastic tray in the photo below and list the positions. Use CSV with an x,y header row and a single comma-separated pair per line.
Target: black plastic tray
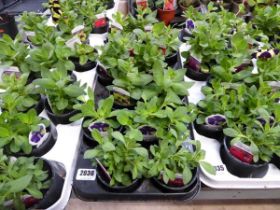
x,y
19,6
92,190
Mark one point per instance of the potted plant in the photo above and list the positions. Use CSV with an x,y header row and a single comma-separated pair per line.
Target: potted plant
x,y
267,20
99,118
121,161
184,4
219,105
14,53
248,150
167,39
84,57
25,95
29,183
49,56
25,133
61,95
143,19
8,25
165,10
174,168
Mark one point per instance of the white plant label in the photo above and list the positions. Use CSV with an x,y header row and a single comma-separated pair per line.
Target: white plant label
x,y
86,174
71,42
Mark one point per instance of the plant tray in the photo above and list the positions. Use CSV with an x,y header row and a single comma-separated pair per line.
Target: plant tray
x,y
87,187
223,178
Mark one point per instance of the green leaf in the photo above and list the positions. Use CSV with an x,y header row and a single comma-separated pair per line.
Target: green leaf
x,y
187,175
117,135
108,146
207,167
61,104
19,184
91,153
35,193
230,132
141,151
74,90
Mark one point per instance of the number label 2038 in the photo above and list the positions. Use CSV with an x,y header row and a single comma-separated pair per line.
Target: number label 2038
x,y
86,174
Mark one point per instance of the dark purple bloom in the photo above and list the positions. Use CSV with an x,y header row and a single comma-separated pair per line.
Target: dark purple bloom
x,y
100,126
190,24
36,136
263,122
215,120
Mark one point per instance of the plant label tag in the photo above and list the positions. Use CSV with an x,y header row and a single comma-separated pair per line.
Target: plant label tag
x,y
242,152
85,174
30,33
187,145
148,28
11,70
142,4
71,42
77,29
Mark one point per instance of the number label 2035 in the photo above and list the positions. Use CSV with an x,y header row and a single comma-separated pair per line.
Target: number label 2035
x,y
86,174
220,168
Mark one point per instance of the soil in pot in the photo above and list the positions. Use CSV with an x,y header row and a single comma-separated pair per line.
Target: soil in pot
x,y
239,168
166,15
8,25
82,68
104,77
103,180
176,186
59,118
100,26
194,72
56,175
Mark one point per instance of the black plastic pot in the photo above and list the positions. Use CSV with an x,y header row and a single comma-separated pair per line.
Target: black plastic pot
x,y
168,189
196,75
110,4
171,59
101,30
104,77
276,161
183,35
118,189
82,68
61,118
56,175
214,132
239,168
8,26
44,148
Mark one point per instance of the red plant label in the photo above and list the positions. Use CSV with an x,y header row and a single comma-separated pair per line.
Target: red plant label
x,y
242,152
101,22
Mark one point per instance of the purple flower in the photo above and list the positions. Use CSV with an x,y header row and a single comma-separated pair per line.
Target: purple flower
x,y
263,122
36,136
215,120
190,24
100,126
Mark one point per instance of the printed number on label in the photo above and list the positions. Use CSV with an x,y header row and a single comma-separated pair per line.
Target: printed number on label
x,y
219,168
86,174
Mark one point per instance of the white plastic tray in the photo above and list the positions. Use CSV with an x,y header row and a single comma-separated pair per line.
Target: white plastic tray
x,y
223,179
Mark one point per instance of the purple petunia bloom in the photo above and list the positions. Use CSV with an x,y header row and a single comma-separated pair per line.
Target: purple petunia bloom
x,y
36,136
190,24
215,120
100,126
